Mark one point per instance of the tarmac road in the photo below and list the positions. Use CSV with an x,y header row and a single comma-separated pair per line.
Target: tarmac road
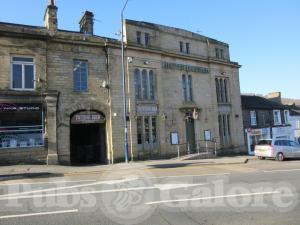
x,y
257,193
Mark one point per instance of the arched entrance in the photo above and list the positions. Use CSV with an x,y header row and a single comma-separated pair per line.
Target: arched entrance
x,y
88,137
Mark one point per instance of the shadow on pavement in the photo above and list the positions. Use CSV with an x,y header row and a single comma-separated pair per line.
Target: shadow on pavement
x,y
5,177
175,165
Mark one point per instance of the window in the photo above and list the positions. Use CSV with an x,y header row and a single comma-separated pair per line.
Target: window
x,y
222,85
152,85
253,118
298,124
217,53
80,76
22,77
137,80
147,39
181,46
187,46
145,84
21,125
224,129
277,117
187,87
139,37
221,54
286,116
146,130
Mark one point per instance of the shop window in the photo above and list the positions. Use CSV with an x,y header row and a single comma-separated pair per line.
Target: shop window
x,y
80,75
22,75
21,125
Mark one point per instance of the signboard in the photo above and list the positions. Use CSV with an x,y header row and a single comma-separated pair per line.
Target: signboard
x,y
183,67
88,117
207,135
12,107
146,110
174,138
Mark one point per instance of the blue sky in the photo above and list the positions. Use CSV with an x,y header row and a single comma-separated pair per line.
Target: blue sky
x,y
264,35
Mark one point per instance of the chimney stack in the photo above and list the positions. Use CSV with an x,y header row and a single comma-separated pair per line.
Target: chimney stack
x,y
50,17
87,23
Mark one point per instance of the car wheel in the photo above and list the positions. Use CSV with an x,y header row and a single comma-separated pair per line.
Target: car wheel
x,y
280,156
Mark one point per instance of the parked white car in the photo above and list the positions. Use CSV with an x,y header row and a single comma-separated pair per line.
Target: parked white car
x,y
279,149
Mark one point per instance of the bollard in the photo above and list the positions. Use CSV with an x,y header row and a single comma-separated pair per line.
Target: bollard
x,y
178,152
188,149
215,148
198,148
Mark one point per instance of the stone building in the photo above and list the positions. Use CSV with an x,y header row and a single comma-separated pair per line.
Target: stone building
x,y
265,118
61,92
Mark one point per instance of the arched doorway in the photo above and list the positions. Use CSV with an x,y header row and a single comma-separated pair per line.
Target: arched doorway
x,y
88,137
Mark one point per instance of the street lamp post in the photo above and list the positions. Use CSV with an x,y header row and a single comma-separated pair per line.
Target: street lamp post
x,y
124,87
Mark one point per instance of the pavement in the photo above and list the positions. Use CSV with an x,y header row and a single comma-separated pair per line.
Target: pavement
x,y
13,172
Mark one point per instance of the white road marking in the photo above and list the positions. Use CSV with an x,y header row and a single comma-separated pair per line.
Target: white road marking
x,y
39,214
213,197
286,170
49,182
195,175
161,187
68,187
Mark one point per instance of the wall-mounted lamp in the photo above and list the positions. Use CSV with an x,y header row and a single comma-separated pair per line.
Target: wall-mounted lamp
x,y
146,62
129,59
104,84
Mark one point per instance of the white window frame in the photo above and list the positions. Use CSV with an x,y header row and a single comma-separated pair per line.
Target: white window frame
x,y
23,72
253,118
278,117
287,116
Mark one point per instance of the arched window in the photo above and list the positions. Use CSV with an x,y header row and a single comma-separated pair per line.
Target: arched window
x,y
184,87
145,84
217,90
190,89
137,83
152,85
221,90
225,90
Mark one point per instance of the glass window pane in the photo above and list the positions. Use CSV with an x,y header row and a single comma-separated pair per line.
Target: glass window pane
x,y
17,76
217,90
152,85
145,84
190,88
139,130
147,130
137,83
22,59
154,133
184,87
80,75
29,76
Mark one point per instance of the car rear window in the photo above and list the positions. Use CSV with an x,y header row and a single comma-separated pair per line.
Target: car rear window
x,y
264,142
